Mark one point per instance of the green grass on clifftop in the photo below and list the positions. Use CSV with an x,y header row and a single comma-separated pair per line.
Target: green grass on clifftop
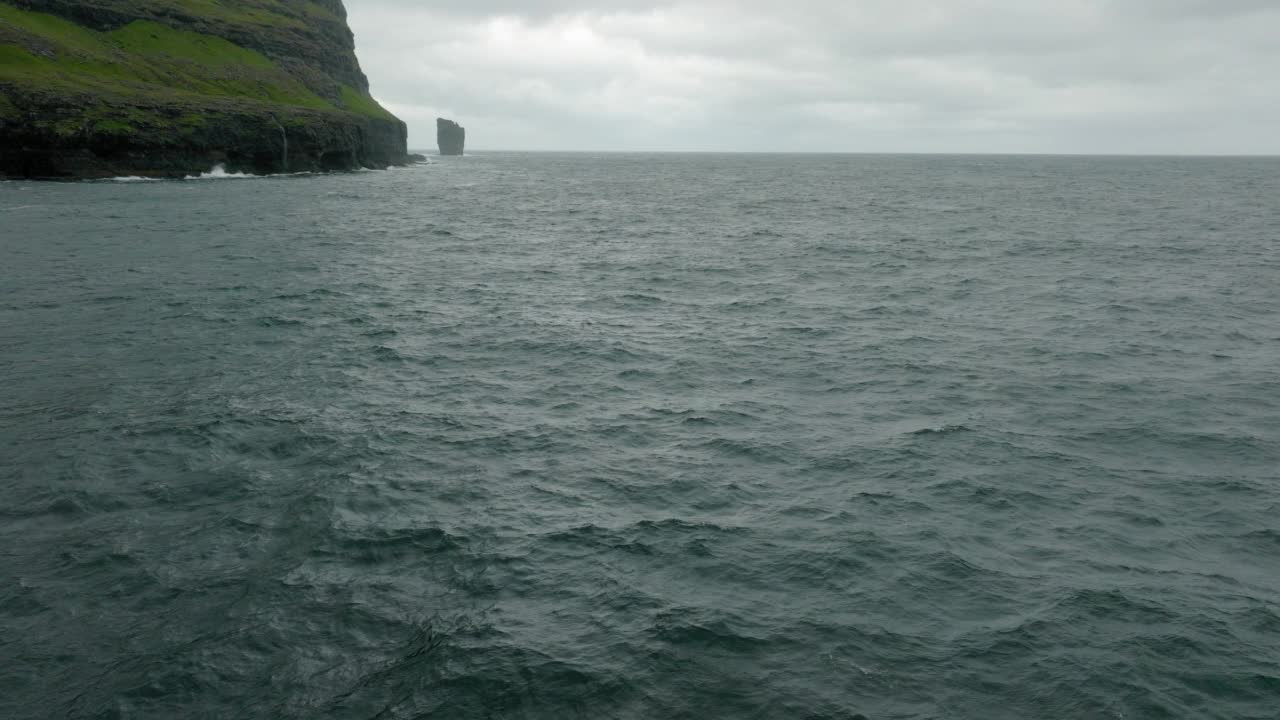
x,y
155,40
355,101
148,62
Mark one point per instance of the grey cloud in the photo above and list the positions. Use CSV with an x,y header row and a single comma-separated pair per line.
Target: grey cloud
x,y
876,75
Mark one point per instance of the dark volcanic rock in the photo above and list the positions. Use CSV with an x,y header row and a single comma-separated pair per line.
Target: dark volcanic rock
x,y
169,88
243,138
450,136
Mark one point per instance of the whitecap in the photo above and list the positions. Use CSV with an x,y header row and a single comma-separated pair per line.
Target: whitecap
x,y
219,172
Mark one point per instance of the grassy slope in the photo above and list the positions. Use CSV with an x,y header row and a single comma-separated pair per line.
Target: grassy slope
x,y
267,13
145,64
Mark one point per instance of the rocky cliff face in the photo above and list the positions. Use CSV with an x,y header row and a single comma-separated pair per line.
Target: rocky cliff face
x,y
96,88
450,137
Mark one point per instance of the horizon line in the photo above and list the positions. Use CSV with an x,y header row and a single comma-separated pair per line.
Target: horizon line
x,y
866,152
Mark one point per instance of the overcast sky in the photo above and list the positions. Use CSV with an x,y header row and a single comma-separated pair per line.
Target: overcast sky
x,y
1072,76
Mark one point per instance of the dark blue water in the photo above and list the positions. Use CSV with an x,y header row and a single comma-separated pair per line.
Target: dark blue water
x,y
645,436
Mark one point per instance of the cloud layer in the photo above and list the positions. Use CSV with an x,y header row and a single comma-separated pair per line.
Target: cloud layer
x,y
1104,76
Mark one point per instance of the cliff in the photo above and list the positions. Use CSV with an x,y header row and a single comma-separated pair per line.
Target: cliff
x,y
450,137
97,88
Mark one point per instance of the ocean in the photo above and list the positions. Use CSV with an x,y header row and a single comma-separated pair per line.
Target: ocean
x,y
537,435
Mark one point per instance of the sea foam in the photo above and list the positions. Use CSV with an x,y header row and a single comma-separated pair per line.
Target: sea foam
x,y
219,172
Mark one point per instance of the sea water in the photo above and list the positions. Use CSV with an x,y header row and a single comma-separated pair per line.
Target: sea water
x,y
645,436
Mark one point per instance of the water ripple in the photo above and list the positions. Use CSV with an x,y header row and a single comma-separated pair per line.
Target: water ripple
x,y
558,436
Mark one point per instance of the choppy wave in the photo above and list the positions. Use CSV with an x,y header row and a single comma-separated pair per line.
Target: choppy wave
x,y
557,436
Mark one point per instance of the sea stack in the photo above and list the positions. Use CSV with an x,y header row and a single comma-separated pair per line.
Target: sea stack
x,y
450,136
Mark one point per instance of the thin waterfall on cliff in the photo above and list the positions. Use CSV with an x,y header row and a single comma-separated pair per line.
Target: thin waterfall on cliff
x,y
284,143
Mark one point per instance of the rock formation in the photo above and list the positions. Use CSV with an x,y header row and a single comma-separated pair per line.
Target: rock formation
x,y
450,136
97,88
